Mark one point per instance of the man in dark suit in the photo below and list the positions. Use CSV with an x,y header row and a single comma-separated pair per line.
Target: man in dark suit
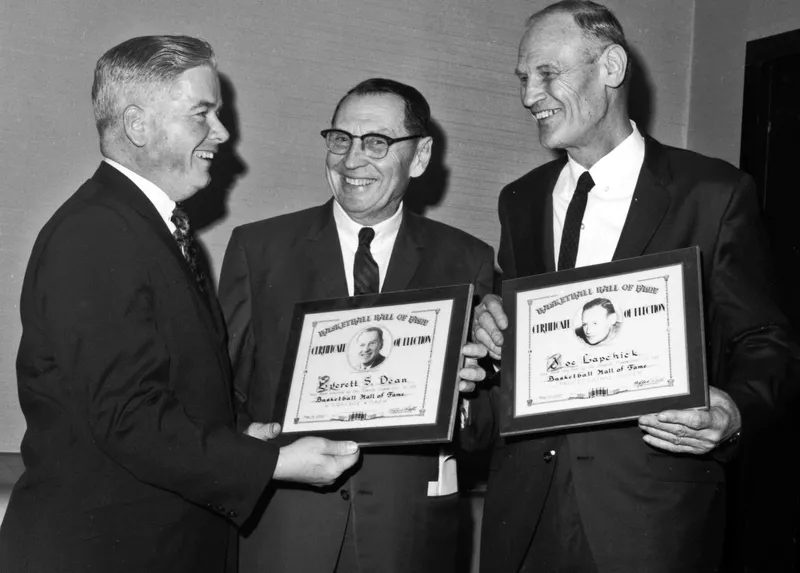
x,y
381,517
132,460
624,497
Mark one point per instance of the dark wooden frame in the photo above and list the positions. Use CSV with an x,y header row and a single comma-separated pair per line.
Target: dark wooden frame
x,y
447,402
693,330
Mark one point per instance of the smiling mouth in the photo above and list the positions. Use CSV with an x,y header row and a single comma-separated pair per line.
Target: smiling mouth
x,y
207,155
540,115
359,182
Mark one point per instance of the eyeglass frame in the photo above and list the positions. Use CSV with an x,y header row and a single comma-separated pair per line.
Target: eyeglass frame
x,y
389,140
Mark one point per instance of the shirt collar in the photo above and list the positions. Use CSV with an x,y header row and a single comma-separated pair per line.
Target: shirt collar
x,y
160,200
384,231
618,167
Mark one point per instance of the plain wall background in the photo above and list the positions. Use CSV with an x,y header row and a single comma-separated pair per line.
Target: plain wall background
x,y
722,29
286,63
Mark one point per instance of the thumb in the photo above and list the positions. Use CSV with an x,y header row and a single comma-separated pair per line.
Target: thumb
x,y
333,448
264,431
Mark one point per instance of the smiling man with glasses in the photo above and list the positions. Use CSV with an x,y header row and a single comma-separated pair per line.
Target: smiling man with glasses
x,y
380,516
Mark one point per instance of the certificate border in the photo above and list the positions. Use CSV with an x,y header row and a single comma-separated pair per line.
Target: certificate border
x,y
439,432
697,396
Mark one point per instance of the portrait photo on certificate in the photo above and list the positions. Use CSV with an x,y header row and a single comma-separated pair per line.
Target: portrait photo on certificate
x,y
377,369
604,343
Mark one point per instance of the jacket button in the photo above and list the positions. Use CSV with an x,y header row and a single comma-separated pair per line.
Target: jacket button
x,y
548,456
231,514
345,494
221,509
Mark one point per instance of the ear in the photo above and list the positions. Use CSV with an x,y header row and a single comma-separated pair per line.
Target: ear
x,y
421,157
133,120
615,64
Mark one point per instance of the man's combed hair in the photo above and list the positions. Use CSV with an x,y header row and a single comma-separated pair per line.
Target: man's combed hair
x,y
374,329
139,67
417,110
596,22
604,302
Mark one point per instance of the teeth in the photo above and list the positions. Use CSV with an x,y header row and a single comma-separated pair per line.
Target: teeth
x,y
540,115
358,182
204,154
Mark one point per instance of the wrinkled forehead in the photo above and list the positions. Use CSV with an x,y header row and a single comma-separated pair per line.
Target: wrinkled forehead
x,y
552,38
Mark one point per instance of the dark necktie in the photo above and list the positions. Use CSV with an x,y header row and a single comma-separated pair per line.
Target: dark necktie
x,y
365,269
571,235
186,243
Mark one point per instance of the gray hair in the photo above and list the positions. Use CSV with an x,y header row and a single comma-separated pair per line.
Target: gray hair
x,y
140,66
597,24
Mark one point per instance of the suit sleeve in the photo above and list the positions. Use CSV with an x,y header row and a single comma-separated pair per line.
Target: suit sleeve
x,y
505,254
99,309
236,301
484,280
481,430
753,357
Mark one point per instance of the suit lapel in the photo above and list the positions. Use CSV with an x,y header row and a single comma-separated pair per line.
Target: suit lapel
x,y
547,257
406,253
651,200
119,188
535,226
321,255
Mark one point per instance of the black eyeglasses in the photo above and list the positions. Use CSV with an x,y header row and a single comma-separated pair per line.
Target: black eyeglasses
x,y
374,145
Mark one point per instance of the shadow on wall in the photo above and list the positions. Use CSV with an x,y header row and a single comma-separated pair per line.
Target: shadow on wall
x,y
429,189
211,204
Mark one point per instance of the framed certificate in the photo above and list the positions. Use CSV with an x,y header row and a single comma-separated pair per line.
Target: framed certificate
x,y
603,343
376,369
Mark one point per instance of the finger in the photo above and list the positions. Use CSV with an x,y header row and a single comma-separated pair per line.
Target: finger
x,y
263,431
681,436
472,373
334,448
466,387
694,419
676,430
482,335
685,447
494,305
474,350
488,322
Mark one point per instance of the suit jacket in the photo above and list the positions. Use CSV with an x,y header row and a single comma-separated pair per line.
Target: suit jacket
x,y
270,265
643,509
132,460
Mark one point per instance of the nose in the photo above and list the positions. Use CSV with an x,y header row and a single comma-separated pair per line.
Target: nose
x,y
355,155
218,132
531,93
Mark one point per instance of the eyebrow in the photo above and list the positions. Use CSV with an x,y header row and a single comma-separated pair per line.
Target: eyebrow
x,y
206,104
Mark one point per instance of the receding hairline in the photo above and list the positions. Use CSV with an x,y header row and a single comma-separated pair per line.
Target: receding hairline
x,y
597,25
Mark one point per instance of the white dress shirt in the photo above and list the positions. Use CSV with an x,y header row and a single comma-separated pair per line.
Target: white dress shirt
x,y
615,177
381,246
381,249
163,204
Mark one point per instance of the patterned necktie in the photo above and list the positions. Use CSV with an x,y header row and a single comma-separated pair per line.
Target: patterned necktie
x,y
365,269
571,235
186,243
